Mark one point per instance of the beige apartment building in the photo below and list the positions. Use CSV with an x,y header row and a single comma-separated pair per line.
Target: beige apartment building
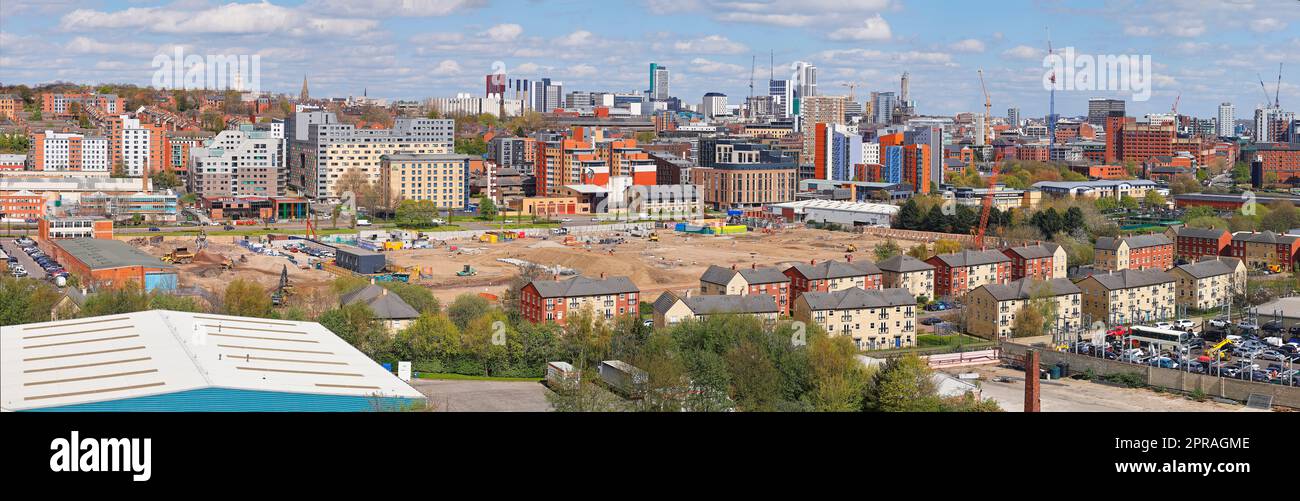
x,y
874,319
906,272
1209,283
670,309
1129,296
1140,252
717,280
441,178
994,307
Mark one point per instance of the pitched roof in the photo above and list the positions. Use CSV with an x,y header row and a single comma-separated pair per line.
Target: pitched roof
x,y
1201,232
719,304
1134,242
385,305
854,298
1211,267
1128,279
583,286
903,263
1035,251
766,275
717,275
1025,288
835,269
1263,237
973,258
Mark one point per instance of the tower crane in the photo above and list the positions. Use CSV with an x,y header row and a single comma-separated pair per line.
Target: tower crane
x,y
993,179
1264,88
853,87
1277,91
988,112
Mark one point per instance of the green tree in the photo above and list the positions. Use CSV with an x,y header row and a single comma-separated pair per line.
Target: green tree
x,y
433,336
25,300
887,249
245,298
903,384
486,207
356,324
128,299
467,307
1128,202
1029,322
1153,198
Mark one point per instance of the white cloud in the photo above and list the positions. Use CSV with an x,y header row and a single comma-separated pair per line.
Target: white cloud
x,y
447,67
968,45
229,19
582,70
1267,24
1023,52
504,32
386,8
84,45
576,39
702,65
874,28
712,44
787,20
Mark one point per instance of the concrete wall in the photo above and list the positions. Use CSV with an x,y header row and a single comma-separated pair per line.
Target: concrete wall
x,y
1234,389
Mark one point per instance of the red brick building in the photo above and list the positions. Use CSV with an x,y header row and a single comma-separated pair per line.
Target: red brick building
x,y
1262,249
1194,243
21,206
831,276
957,273
556,300
1139,252
1039,261
717,280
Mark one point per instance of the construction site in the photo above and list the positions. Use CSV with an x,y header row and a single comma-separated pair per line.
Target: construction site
x,y
654,260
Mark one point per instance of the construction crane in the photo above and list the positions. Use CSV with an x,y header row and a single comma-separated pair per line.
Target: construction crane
x,y
853,88
1175,110
988,111
1264,88
1277,91
1051,106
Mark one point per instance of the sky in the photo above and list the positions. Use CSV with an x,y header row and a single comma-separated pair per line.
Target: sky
x,y
1202,52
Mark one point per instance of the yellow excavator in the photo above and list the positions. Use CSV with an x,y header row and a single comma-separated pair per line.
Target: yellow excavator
x,y
1216,352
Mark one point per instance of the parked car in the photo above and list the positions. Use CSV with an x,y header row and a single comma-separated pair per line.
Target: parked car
x,y
154,228
1272,326
1247,325
931,320
1184,324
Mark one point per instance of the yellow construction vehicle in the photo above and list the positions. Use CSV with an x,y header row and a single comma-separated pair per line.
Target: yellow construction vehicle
x,y
1273,268
1216,352
654,236
851,248
179,256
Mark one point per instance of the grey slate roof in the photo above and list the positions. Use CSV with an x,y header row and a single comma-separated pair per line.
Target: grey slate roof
x,y
1210,267
855,298
903,263
1035,251
664,302
1201,232
835,269
385,304
753,276
973,258
101,254
719,304
717,275
1134,242
1128,279
1263,237
582,286
1025,288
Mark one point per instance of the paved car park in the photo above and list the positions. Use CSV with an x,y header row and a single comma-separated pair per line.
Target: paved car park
x,y
1249,357
12,249
451,395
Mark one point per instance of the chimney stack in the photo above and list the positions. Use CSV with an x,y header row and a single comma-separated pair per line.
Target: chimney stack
x,y
753,266
602,275
812,262
1032,384
733,267
848,257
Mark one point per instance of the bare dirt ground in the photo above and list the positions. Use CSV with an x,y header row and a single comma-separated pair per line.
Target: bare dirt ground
x,y
483,396
674,263
1071,395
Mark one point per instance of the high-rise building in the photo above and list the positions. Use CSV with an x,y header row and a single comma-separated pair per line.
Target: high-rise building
x,y
1100,108
322,151
547,95
817,110
713,104
56,151
659,80
238,163
782,99
1227,118
1013,117
932,137
805,75
883,105
838,152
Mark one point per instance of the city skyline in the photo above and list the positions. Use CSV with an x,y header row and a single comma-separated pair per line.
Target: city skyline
x,y
1207,52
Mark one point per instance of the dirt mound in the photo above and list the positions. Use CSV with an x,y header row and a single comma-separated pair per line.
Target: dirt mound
x,y
205,257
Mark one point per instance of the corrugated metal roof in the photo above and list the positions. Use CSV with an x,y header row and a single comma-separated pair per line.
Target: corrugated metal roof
x,y
116,357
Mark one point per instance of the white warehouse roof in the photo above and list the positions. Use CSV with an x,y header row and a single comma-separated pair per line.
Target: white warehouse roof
x,y
159,352
835,205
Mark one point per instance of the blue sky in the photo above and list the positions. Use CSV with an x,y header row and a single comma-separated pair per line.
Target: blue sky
x,y
1207,50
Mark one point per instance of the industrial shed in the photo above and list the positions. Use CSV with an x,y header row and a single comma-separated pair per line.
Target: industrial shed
x,y
111,263
167,361
359,260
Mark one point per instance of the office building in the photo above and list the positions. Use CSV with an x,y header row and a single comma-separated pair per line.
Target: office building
x,y
322,150
238,163
1226,120
1100,108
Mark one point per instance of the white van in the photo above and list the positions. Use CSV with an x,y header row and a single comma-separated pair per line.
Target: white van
x,y
363,222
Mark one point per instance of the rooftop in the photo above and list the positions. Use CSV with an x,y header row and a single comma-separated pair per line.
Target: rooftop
x,y
580,286
158,352
1026,288
98,254
856,298
1128,279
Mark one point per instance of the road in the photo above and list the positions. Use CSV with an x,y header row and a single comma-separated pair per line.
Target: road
x,y
33,270
450,395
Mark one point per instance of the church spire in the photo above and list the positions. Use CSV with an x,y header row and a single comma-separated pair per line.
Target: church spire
x,y
304,95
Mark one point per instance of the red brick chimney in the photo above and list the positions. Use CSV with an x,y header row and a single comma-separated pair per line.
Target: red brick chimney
x,y
848,257
1032,385
733,267
753,266
812,262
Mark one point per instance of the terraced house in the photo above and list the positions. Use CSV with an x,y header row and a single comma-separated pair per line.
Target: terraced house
x,y
744,282
960,272
1195,243
1209,283
555,300
994,307
1140,252
874,319
670,308
1129,296
831,276
1259,250
907,272
1043,261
